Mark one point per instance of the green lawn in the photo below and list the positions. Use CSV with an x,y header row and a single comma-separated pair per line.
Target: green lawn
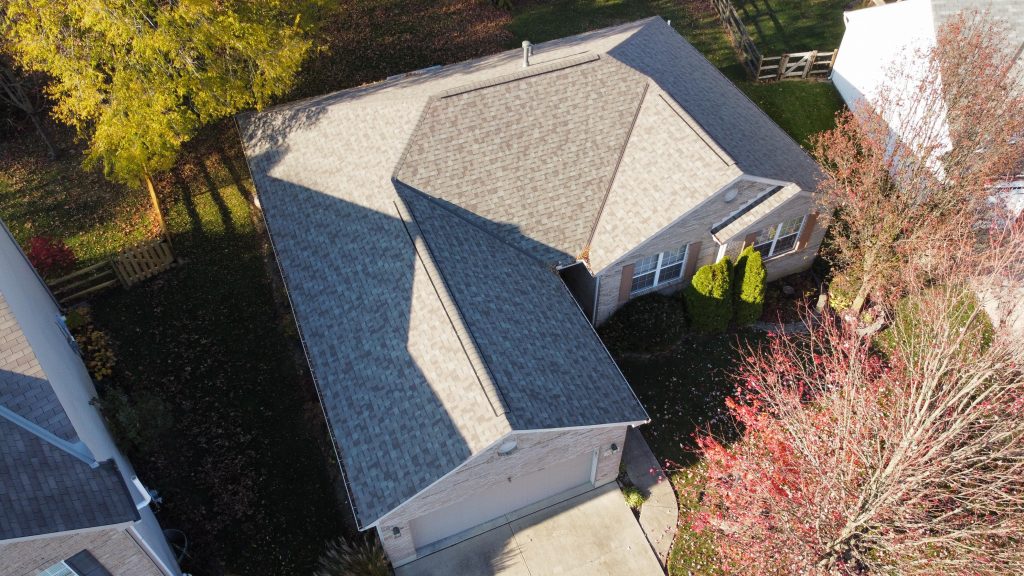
x,y
236,437
242,458
801,108
684,391
799,25
40,197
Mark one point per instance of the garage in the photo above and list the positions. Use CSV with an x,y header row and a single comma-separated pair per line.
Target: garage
x,y
509,496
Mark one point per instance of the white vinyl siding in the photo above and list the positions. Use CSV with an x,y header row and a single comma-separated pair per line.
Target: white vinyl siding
x,y
779,238
657,270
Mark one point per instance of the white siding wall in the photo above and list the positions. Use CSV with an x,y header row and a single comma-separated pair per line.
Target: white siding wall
x,y
37,313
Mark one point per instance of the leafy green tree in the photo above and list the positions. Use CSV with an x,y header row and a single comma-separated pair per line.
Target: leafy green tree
x,y
749,279
138,79
709,297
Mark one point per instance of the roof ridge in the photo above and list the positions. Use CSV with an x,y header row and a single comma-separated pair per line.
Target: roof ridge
x,y
555,65
451,307
73,449
618,164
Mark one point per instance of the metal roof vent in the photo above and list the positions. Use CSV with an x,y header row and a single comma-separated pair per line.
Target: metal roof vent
x,y
527,52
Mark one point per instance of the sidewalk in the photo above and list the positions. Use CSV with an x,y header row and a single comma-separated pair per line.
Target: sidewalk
x,y
659,514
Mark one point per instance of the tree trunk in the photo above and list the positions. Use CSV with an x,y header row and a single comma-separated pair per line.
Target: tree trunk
x,y
156,208
51,151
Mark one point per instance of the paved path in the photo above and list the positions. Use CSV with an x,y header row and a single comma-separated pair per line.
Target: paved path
x,y
593,534
660,513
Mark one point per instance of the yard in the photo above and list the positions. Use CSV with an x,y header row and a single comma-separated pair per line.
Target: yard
x,y
208,354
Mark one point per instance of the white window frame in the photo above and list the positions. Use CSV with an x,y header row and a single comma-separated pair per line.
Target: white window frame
x,y
59,569
778,234
658,267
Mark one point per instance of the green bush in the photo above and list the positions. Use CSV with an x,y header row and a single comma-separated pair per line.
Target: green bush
x,y
749,278
709,297
343,558
137,424
634,497
964,313
649,323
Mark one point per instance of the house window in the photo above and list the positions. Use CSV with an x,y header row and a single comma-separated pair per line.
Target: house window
x,y
58,569
780,238
81,564
657,270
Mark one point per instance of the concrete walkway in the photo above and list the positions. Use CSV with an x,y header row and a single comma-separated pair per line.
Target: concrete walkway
x,y
660,513
593,534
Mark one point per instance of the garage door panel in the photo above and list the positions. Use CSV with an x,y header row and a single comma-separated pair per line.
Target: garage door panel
x,y
506,495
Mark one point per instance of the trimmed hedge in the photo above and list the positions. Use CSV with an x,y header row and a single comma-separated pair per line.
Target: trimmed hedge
x,y
649,323
709,297
749,278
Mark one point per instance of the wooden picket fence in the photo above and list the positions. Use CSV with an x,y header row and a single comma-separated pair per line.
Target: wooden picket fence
x,y
129,267
814,64
803,65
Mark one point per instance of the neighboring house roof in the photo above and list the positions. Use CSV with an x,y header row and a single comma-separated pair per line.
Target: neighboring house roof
x,y
418,222
43,488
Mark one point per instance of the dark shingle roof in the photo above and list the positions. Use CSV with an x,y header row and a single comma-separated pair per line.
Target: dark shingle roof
x,y
44,490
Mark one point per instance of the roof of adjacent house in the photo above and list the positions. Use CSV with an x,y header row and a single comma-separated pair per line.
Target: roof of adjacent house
x,y
419,221
1009,12
43,488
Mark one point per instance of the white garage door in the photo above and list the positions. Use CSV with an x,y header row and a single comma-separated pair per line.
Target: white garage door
x,y
502,498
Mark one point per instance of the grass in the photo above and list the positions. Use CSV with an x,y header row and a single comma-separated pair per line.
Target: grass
x,y
684,391
240,465
40,197
696,20
244,464
802,109
799,25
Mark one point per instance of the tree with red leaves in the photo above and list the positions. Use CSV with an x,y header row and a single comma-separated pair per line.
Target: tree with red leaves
x,y
914,168
901,454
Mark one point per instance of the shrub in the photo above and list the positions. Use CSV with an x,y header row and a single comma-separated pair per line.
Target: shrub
x,y
652,322
50,257
136,423
634,497
342,558
709,297
841,293
749,279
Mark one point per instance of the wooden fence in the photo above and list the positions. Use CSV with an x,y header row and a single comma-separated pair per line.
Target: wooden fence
x,y
129,267
804,65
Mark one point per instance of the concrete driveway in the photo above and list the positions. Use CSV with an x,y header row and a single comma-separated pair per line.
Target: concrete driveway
x,y
593,534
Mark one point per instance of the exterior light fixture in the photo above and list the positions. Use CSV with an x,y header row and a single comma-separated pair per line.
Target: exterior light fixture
x,y
507,447
615,447
396,531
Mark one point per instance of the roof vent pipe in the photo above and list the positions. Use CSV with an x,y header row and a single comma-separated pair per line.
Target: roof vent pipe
x,y
527,52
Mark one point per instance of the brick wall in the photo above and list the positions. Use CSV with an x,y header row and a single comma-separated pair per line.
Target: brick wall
x,y
114,548
696,227
536,450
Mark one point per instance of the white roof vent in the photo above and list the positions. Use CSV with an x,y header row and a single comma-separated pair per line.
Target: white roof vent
x,y
527,52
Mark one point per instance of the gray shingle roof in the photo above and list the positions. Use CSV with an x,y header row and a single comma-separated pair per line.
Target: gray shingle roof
x,y
44,489
432,321
548,363
23,385
530,158
1009,12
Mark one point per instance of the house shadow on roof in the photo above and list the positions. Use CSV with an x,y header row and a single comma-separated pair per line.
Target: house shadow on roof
x,y
429,338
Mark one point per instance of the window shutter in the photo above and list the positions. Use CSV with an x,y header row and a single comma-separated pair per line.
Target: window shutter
x,y
626,282
749,240
692,256
805,234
